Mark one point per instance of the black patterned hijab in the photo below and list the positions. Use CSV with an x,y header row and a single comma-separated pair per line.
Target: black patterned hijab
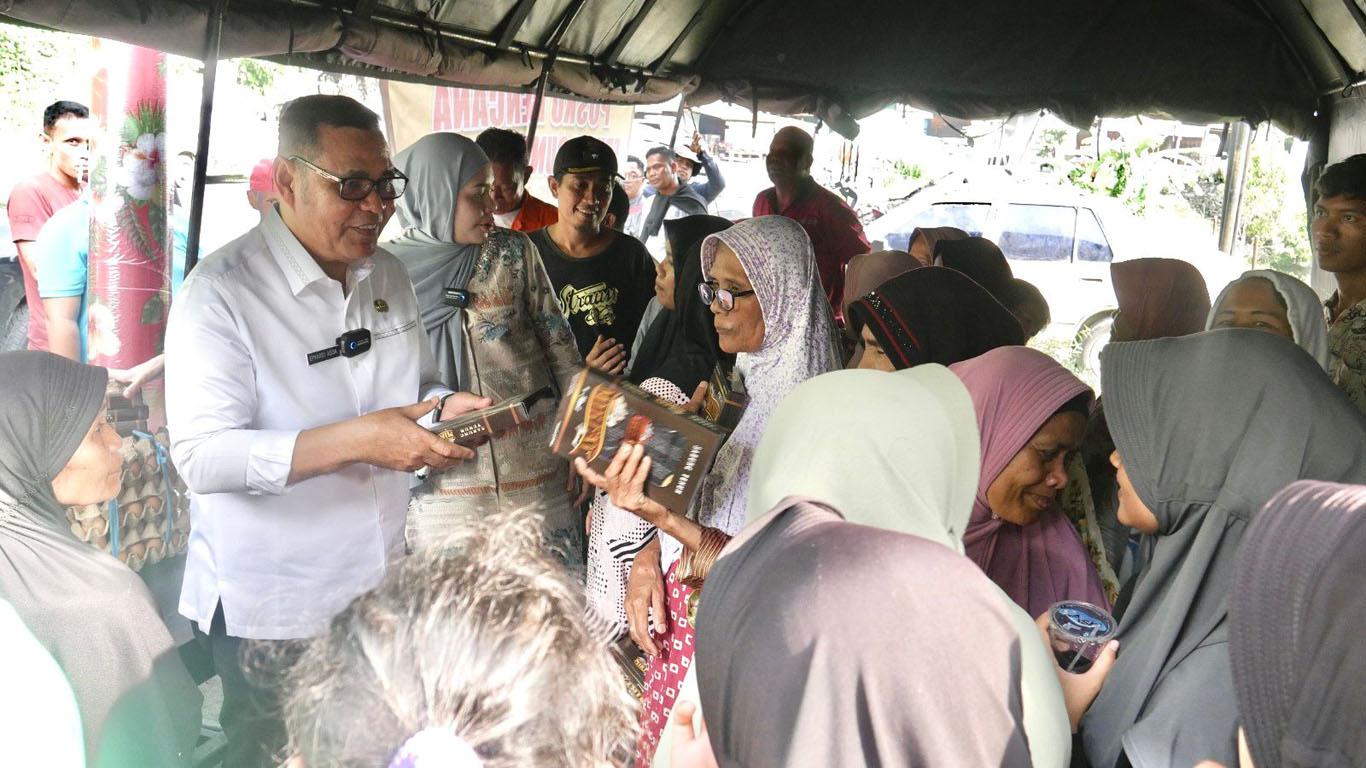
x,y
934,315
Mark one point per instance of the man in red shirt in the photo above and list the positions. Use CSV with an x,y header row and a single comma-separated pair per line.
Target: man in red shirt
x,y
67,131
513,206
835,232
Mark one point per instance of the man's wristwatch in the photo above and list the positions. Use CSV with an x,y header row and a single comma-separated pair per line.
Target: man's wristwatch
x,y
441,405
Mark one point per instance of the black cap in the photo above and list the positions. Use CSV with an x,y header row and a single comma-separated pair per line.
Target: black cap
x,y
585,154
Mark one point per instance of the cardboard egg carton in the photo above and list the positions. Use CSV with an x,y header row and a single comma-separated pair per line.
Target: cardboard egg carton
x,y
146,499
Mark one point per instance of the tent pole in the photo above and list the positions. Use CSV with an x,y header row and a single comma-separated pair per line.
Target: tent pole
x,y
1239,148
536,105
553,46
213,36
678,120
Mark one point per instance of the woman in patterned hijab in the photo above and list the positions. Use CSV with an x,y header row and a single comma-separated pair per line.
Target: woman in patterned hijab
x,y
770,311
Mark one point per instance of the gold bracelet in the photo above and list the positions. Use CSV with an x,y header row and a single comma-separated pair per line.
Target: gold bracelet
x,y
694,566
684,572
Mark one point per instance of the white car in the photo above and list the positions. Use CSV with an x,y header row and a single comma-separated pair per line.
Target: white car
x,y
1055,237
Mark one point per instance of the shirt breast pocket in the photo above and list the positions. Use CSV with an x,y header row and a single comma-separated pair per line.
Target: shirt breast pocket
x,y
394,331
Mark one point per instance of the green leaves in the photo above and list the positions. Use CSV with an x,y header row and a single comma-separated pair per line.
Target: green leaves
x,y
154,309
147,117
256,75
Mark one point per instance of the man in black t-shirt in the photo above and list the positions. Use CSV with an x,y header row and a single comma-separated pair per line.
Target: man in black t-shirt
x,y
603,278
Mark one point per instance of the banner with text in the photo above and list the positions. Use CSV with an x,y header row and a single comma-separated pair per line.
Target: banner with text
x,y
417,110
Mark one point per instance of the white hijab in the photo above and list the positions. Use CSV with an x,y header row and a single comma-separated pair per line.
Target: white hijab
x,y
1303,308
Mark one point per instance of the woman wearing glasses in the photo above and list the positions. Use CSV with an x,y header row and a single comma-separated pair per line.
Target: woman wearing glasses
x,y
495,329
769,309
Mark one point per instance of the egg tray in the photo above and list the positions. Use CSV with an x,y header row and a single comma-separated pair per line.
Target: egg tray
x,y
151,509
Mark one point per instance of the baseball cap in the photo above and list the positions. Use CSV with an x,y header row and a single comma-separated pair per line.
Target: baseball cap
x,y
262,177
585,154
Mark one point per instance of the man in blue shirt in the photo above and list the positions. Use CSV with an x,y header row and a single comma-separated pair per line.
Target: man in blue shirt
x,y
63,271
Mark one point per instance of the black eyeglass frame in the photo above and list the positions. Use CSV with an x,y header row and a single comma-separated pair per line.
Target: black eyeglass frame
x,y
371,185
710,293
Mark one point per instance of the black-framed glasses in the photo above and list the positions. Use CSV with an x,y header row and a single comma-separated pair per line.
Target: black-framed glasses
x,y
390,186
710,293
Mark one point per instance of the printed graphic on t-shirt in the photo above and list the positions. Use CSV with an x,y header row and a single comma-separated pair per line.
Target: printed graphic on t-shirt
x,y
597,303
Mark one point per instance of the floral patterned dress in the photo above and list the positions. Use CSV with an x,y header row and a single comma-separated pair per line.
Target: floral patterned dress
x,y
1076,502
1347,351
516,342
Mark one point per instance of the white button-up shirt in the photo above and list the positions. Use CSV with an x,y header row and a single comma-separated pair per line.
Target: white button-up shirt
x,y
283,558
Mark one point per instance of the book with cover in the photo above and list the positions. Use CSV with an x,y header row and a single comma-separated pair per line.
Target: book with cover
x,y
725,400
600,412
476,427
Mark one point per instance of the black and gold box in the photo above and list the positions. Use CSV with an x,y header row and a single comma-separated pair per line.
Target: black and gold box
x,y
725,400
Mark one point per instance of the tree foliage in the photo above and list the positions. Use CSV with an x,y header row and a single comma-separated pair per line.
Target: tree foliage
x,y
32,62
1273,234
256,74
1116,174
1271,226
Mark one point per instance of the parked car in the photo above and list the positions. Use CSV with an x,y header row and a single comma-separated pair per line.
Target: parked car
x,y
1057,238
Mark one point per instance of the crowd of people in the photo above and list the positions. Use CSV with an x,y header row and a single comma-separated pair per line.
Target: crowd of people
x,y
868,573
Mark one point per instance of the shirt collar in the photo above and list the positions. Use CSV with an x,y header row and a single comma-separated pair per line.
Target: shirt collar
x,y
299,267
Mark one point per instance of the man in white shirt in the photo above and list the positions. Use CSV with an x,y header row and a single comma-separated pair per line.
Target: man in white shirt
x,y
294,355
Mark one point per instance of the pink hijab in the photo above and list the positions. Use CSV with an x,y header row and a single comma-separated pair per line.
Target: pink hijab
x,y
1014,391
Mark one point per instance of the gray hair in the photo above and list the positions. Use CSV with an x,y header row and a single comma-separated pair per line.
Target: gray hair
x,y
301,118
482,635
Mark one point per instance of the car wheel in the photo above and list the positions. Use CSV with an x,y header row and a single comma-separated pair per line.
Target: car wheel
x,y
1091,339
14,330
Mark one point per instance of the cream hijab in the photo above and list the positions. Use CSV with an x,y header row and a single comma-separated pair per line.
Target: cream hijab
x,y
898,452
901,452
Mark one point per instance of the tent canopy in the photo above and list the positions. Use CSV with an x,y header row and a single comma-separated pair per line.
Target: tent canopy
x,y
1199,60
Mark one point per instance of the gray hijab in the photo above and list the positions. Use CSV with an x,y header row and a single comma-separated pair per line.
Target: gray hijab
x,y
438,165
48,405
798,667
1209,426
138,705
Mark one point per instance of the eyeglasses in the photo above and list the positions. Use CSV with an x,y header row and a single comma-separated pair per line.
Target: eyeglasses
x,y
356,188
710,293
